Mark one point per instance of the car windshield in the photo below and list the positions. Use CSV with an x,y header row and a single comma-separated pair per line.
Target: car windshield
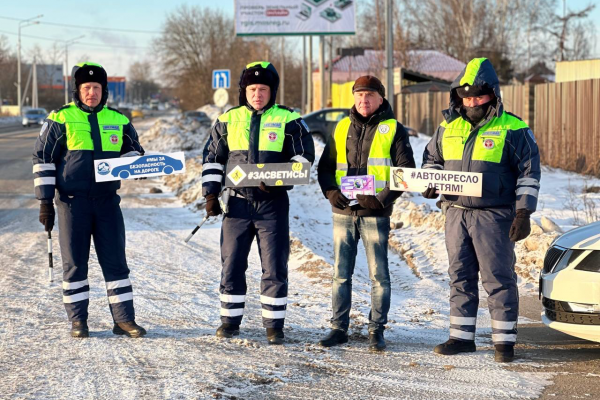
x,y
40,111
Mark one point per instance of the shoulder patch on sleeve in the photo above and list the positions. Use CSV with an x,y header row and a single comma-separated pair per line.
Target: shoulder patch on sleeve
x,y
44,128
530,132
304,125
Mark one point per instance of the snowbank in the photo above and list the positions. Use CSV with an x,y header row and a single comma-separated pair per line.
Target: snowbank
x,y
423,223
180,134
9,120
213,111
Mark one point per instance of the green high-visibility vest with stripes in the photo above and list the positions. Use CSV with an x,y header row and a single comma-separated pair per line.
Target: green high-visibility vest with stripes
x,y
272,128
380,159
78,130
490,140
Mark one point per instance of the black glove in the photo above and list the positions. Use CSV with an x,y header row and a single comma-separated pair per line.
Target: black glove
x,y
369,201
213,208
47,216
521,226
264,187
337,199
430,193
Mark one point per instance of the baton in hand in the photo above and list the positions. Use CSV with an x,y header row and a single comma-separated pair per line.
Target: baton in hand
x,y
187,239
50,262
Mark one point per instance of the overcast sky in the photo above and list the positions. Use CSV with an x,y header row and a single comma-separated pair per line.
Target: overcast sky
x,y
141,15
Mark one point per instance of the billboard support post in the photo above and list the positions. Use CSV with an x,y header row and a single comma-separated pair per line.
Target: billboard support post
x,y
322,69
389,48
303,74
309,105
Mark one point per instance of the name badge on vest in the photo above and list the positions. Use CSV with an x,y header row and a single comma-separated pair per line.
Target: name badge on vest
x,y
383,129
110,127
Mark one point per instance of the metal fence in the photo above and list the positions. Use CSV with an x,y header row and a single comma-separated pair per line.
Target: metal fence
x,y
565,118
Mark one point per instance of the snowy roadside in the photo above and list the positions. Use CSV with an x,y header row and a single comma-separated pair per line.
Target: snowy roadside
x,y
418,263
176,299
9,120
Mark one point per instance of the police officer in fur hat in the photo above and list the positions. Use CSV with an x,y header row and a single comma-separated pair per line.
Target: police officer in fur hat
x,y
258,131
63,161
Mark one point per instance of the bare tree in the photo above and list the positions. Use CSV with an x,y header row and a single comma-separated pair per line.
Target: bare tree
x,y
141,82
572,43
8,66
195,41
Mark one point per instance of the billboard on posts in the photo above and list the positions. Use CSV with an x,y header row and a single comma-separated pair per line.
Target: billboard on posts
x,y
295,17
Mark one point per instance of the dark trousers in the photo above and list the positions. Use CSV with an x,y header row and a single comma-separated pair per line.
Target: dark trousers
x,y
267,221
478,243
80,219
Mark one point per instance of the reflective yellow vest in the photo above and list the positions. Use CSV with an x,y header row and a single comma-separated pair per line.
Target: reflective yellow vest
x,y
272,128
490,140
78,130
380,159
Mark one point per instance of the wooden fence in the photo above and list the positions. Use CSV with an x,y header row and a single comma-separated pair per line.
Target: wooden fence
x,y
565,119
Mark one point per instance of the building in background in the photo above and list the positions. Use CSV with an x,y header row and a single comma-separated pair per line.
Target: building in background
x,y
581,70
418,71
116,89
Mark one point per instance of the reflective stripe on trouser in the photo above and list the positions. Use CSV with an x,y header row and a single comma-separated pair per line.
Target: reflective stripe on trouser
x,y
80,219
268,222
477,243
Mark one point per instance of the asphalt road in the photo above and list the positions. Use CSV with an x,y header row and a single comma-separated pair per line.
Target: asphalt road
x,y
576,362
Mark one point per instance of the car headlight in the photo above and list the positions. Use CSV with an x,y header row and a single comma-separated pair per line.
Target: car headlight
x,y
590,263
566,259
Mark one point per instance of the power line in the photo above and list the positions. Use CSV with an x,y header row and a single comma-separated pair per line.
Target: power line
x,y
90,27
78,43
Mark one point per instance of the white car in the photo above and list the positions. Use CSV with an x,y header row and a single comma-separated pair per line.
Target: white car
x,y
570,283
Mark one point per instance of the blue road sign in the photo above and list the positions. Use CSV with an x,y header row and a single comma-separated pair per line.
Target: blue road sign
x,y
221,78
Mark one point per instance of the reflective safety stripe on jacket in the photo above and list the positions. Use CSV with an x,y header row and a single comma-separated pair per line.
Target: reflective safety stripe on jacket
x,y
78,129
490,140
272,128
379,161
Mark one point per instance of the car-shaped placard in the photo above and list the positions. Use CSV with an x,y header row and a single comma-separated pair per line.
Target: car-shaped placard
x,y
570,283
146,166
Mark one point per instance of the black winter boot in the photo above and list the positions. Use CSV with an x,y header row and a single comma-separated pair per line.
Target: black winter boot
x,y
454,346
504,353
129,328
228,331
376,341
275,335
335,337
79,329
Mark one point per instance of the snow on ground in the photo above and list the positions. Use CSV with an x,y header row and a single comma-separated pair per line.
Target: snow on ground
x,y
9,120
176,299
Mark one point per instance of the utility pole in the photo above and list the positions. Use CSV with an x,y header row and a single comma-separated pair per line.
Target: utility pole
x,y
66,75
34,85
389,49
22,24
322,68
282,96
309,86
330,87
303,74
